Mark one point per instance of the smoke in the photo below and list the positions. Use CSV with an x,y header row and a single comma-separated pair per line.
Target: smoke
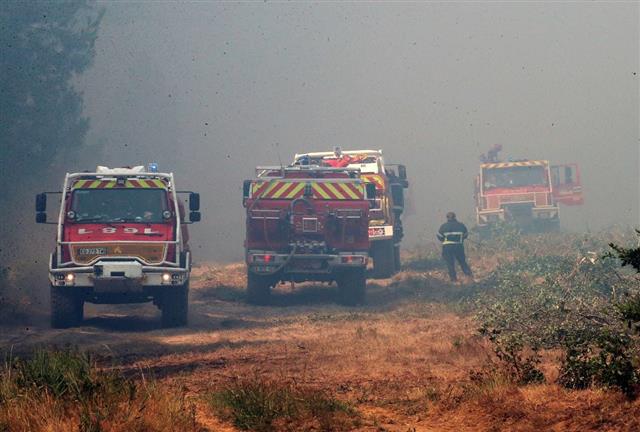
x,y
209,90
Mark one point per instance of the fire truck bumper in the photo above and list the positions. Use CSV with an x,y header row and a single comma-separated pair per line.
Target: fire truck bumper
x,y
270,263
118,276
549,212
487,217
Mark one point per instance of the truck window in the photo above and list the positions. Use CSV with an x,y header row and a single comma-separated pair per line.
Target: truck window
x,y
496,178
119,205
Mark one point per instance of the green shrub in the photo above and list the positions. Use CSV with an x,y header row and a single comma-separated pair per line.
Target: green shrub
x,y
606,360
565,301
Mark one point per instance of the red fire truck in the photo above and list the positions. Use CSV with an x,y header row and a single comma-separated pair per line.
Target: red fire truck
x,y
525,192
385,223
121,238
307,224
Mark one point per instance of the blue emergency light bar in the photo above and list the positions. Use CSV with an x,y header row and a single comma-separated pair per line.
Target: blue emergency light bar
x,y
153,167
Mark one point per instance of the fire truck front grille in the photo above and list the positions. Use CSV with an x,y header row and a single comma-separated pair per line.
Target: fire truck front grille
x,y
87,253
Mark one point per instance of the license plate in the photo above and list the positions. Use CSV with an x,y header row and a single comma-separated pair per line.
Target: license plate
x,y
376,232
306,265
92,251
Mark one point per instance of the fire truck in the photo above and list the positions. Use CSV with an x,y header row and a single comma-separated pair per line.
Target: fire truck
x,y
525,192
385,223
307,223
121,238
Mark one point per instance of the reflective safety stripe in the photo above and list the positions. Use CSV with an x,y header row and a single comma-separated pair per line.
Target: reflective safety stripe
x,y
453,237
132,183
515,164
292,189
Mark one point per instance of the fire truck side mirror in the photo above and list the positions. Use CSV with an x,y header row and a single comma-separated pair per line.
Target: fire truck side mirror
x,y
246,190
41,202
195,216
194,201
402,172
397,192
370,189
41,217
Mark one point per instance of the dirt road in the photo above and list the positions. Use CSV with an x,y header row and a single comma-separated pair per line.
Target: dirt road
x,y
403,361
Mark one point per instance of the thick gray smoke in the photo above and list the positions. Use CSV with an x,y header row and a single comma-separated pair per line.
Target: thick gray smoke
x,y
211,90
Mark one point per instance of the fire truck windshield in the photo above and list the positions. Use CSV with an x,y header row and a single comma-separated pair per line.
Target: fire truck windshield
x,y
119,205
513,177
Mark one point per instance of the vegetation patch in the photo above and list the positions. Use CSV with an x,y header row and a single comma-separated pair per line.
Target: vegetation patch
x,y
65,390
261,404
575,300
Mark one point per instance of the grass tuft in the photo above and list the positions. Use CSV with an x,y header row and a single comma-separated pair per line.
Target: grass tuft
x,y
260,404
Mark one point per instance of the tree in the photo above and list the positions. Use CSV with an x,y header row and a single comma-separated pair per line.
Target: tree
x,y
44,46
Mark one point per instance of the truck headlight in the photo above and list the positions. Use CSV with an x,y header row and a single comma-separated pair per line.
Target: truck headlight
x,y
166,277
70,277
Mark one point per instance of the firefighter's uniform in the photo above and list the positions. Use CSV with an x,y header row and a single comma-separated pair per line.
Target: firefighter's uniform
x,y
452,235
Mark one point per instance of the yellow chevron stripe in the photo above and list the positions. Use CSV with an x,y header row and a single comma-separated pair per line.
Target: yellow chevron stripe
x,y
320,191
159,183
255,187
94,184
295,190
335,191
283,187
515,164
270,188
110,185
348,190
79,184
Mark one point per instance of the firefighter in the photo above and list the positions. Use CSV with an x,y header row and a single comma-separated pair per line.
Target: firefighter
x,y
452,235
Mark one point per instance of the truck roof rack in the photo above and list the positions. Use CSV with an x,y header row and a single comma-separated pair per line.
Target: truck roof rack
x,y
346,152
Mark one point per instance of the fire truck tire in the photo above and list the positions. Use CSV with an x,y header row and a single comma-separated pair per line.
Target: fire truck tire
x,y
258,288
175,306
67,307
551,225
396,258
352,287
383,259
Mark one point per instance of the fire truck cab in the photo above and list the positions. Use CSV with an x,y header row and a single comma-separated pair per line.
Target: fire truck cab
x,y
307,223
525,192
121,238
385,223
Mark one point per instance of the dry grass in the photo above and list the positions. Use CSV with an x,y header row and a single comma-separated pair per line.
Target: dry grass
x,y
65,391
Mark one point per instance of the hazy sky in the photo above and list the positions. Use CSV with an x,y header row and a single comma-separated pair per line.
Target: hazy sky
x,y
209,90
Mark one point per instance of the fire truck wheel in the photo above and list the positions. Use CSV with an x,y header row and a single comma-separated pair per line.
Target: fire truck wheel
x,y
258,288
175,305
383,259
396,258
352,287
67,307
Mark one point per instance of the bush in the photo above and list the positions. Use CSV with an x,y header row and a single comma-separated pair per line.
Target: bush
x,y
539,302
259,404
